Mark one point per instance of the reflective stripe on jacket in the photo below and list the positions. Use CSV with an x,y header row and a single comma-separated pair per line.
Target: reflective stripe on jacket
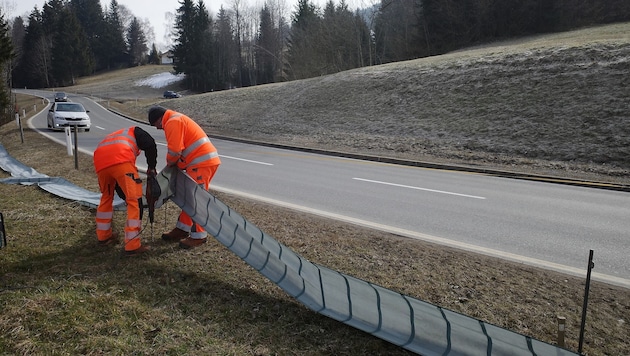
x,y
117,147
188,144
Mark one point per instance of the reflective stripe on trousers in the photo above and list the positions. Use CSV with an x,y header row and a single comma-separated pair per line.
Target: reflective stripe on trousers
x,y
104,222
126,175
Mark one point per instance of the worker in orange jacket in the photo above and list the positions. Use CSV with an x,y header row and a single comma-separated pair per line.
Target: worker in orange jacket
x,y
190,149
115,165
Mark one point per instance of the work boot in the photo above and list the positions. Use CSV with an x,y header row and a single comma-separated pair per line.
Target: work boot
x,y
189,242
175,235
112,240
140,250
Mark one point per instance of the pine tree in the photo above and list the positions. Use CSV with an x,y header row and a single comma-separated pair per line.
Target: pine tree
x,y
397,29
154,57
51,21
137,44
35,62
204,70
70,54
6,53
266,48
18,32
304,59
342,41
193,50
92,21
184,37
226,51
114,39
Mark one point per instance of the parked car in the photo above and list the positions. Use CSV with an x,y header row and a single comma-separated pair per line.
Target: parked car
x,y
61,115
61,96
169,94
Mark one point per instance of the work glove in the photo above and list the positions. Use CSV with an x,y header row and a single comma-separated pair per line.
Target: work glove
x,y
153,189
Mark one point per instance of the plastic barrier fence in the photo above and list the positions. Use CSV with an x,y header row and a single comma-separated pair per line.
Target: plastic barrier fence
x,y
410,323
415,325
25,175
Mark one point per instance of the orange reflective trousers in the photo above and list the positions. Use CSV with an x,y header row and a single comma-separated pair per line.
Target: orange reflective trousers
x,y
126,175
202,175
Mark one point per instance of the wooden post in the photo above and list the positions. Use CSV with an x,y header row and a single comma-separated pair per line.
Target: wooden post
x,y
19,123
561,330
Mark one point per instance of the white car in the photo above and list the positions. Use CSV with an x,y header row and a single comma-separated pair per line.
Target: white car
x,y
64,114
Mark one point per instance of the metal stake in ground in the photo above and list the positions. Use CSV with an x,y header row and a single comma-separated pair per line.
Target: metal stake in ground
x,y
76,148
586,289
3,234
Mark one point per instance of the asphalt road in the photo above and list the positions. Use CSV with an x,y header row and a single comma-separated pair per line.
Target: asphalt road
x,y
542,224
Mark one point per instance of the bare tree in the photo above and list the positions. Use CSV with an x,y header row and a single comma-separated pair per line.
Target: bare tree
x,y
169,23
250,19
236,7
147,29
40,63
7,8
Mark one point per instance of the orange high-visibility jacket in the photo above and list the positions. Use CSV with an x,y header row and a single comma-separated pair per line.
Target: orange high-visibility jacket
x,y
125,145
188,144
117,147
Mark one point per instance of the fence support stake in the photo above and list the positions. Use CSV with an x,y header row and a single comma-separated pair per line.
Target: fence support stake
x,y
586,290
76,148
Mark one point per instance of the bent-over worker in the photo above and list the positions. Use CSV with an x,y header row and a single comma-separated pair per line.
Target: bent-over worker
x,y
115,165
190,149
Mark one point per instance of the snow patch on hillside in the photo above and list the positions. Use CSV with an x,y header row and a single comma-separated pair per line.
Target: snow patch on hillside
x,y
160,80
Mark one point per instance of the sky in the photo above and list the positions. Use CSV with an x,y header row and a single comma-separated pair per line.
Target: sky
x,y
154,10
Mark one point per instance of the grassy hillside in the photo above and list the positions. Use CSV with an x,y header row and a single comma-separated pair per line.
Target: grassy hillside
x,y
554,104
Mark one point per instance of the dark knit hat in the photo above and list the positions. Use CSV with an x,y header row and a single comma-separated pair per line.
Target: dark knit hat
x,y
155,113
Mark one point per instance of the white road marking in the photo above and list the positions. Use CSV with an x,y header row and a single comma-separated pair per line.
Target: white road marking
x,y
578,272
418,188
247,160
230,157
